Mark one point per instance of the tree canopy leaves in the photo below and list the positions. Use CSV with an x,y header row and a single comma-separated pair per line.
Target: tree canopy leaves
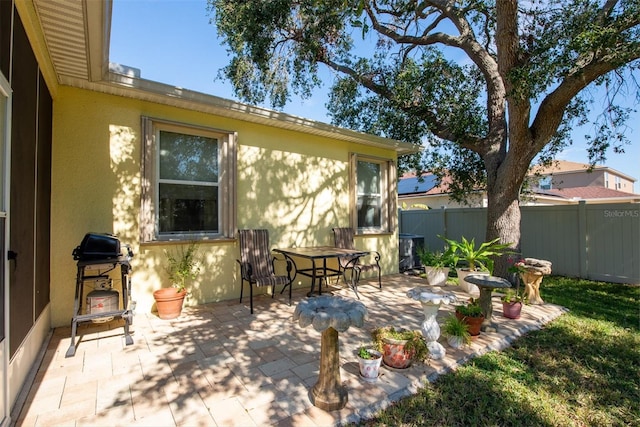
x,y
485,85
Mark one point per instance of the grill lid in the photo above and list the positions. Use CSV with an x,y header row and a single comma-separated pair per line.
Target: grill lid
x,y
97,246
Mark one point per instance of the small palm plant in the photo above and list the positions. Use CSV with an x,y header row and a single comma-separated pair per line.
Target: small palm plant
x,y
477,256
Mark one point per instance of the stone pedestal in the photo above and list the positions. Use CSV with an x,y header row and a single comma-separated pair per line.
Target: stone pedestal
x,y
487,284
535,270
330,315
329,393
431,299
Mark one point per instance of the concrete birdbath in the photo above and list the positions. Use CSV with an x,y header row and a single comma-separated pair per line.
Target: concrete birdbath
x,y
330,314
487,284
431,300
535,269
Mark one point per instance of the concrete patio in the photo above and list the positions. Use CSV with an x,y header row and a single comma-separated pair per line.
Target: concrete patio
x,y
218,365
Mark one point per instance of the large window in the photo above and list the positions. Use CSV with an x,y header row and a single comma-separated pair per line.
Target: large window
x,y
188,182
374,194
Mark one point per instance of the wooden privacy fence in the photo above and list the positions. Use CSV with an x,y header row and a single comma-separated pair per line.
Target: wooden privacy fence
x,y
596,241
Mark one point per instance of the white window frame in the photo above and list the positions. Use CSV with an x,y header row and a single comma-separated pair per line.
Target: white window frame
x,y
227,163
388,194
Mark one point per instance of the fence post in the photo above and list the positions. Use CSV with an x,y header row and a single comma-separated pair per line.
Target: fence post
x,y
582,239
443,220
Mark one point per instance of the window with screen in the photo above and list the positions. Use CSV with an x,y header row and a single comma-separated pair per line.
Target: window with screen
x,y
189,184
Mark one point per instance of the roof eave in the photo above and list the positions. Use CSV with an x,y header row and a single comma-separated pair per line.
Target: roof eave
x,y
147,90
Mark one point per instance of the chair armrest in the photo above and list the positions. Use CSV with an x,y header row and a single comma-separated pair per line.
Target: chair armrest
x,y
376,257
245,270
285,258
349,262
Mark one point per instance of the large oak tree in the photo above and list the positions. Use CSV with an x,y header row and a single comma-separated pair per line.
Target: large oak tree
x,y
486,86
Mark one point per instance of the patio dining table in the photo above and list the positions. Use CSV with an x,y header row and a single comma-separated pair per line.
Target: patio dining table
x,y
322,271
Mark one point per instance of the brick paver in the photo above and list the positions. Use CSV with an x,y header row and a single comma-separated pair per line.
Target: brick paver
x,y
216,365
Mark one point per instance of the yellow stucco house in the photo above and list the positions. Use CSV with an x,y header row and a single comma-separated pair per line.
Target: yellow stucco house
x,y
81,147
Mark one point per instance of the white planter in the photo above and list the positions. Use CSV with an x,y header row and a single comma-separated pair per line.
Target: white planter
x,y
455,342
436,276
469,288
370,368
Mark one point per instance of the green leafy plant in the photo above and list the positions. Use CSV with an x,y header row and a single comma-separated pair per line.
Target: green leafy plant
x,y
477,256
511,296
471,309
366,353
182,265
415,342
437,258
454,327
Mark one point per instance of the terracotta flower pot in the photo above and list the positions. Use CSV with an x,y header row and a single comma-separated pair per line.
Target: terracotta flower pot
x,y
169,302
511,310
474,323
394,354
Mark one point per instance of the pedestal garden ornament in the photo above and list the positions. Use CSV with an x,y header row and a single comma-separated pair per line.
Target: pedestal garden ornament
x,y
330,314
431,299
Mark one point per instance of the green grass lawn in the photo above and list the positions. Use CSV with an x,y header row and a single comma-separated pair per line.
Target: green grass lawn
x,y
583,369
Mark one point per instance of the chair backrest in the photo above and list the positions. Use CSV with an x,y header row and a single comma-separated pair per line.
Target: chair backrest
x,y
343,238
254,249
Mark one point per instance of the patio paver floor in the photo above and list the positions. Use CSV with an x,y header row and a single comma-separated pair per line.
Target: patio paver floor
x,y
218,365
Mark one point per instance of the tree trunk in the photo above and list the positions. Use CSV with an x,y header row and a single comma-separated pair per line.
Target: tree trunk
x,y
503,211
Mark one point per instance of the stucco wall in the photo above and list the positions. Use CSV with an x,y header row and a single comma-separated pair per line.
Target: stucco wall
x,y
294,184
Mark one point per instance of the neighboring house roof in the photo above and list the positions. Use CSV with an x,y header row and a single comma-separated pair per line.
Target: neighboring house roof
x,y
410,187
76,35
409,184
586,193
559,167
414,184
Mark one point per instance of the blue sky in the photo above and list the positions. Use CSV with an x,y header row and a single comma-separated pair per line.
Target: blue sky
x,y
172,41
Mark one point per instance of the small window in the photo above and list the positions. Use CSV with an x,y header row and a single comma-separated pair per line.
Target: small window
x,y
188,185
545,183
374,188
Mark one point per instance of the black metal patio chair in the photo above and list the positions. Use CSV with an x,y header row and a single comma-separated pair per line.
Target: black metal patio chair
x,y
344,238
257,264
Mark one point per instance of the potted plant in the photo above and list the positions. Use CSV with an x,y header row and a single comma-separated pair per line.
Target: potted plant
x,y
436,265
513,300
182,266
399,347
456,331
369,360
471,313
476,258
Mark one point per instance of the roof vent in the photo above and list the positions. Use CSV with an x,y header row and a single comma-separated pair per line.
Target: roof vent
x,y
124,70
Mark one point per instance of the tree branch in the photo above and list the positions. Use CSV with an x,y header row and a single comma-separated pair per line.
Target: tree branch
x,y
552,107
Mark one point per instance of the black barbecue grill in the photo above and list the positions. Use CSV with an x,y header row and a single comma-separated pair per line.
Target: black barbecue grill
x,y
99,246
97,256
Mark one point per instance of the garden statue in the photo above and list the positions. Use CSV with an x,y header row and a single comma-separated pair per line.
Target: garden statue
x,y
534,270
431,299
330,314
